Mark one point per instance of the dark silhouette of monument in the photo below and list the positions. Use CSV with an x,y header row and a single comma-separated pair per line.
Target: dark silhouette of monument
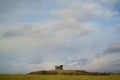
x,y
58,67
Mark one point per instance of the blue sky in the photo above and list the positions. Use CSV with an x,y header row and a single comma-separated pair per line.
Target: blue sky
x,y
80,34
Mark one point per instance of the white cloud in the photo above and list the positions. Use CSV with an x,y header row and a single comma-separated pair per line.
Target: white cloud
x,y
84,11
108,63
72,27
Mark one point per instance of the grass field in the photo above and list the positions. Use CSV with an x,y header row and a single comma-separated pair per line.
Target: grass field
x,y
57,77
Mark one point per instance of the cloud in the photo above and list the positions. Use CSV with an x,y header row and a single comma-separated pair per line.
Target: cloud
x,y
70,27
83,10
65,37
108,63
16,32
114,48
24,30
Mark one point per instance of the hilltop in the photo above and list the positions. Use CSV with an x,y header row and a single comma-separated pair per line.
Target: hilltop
x,y
66,72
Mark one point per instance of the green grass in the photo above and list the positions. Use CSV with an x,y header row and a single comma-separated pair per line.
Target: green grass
x,y
57,77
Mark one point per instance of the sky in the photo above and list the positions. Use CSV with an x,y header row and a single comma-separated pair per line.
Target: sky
x,y
79,34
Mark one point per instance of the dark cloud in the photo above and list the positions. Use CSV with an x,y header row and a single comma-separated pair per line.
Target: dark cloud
x,y
11,33
114,48
80,62
15,32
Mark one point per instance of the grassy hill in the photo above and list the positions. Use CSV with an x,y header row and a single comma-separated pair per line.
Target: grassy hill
x,y
67,72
